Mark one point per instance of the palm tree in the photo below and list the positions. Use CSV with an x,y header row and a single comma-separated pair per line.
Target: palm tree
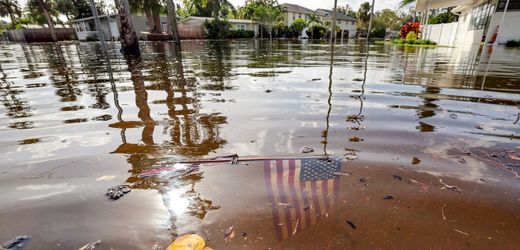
x,y
10,8
151,10
314,20
210,8
67,8
45,6
269,16
363,14
129,40
405,2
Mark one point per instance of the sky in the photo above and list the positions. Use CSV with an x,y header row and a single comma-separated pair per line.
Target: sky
x,y
329,4
311,4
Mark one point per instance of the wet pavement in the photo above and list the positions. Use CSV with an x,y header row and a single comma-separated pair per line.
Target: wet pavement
x,y
422,145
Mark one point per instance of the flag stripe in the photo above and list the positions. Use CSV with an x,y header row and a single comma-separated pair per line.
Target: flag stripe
x,y
294,184
270,193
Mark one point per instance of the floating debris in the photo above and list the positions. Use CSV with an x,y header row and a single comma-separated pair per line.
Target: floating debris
x,y
397,177
452,188
478,126
416,161
17,243
346,173
229,234
118,191
268,91
315,79
306,150
309,206
461,232
296,227
388,197
351,224
188,242
91,245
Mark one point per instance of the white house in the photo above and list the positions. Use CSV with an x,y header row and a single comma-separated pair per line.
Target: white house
x,y
195,24
295,12
479,21
345,23
86,27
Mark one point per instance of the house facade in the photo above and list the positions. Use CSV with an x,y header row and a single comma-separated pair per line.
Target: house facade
x,y
193,27
479,21
86,27
294,12
345,23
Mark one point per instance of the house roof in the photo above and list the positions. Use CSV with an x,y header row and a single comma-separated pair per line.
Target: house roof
x,y
339,16
296,8
423,5
211,18
91,18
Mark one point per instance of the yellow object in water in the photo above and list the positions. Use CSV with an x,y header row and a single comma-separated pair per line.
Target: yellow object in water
x,y
188,242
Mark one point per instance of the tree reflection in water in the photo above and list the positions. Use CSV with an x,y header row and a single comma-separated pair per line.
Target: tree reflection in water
x,y
191,133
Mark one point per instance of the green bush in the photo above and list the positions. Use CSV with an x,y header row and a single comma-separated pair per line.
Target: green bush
x,y
378,32
513,43
316,31
411,35
241,34
413,41
216,28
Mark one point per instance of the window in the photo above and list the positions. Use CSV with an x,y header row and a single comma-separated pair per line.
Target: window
x,y
299,15
241,26
481,15
513,5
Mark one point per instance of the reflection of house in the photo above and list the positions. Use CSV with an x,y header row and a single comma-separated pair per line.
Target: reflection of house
x,y
345,23
478,21
196,24
294,12
85,27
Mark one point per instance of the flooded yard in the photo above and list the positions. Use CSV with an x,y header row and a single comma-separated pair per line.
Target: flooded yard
x,y
411,147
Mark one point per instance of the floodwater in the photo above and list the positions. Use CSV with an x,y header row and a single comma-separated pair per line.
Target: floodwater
x,y
413,147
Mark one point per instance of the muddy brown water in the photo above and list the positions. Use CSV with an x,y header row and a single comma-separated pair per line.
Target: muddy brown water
x,y
422,145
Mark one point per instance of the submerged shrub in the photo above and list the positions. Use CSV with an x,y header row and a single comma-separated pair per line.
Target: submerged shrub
x,y
513,43
216,28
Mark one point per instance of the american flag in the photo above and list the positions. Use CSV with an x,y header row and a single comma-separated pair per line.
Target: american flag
x,y
301,192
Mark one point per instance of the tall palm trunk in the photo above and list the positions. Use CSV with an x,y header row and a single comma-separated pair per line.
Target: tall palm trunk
x,y
13,23
129,39
172,21
49,21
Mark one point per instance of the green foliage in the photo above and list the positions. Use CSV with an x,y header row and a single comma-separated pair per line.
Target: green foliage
x,y
217,28
513,43
11,9
241,34
378,32
413,42
298,25
411,35
363,15
317,31
207,8
446,17
347,10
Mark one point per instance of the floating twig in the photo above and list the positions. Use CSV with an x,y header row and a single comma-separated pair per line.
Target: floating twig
x,y
442,211
461,232
351,224
296,227
452,188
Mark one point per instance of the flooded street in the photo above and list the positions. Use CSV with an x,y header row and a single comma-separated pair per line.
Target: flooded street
x,y
412,147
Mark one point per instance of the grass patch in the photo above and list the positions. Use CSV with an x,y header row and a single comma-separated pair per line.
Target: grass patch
x,y
419,42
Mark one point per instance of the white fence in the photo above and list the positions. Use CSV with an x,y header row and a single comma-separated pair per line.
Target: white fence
x,y
443,34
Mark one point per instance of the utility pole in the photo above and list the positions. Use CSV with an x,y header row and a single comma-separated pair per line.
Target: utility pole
x,y
129,39
370,22
333,31
101,35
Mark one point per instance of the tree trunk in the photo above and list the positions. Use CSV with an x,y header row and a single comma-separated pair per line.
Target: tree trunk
x,y
172,21
49,21
129,39
13,23
150,20
157,22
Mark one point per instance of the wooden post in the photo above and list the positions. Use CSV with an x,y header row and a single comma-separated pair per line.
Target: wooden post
x,y
333,30
172,21
128,36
